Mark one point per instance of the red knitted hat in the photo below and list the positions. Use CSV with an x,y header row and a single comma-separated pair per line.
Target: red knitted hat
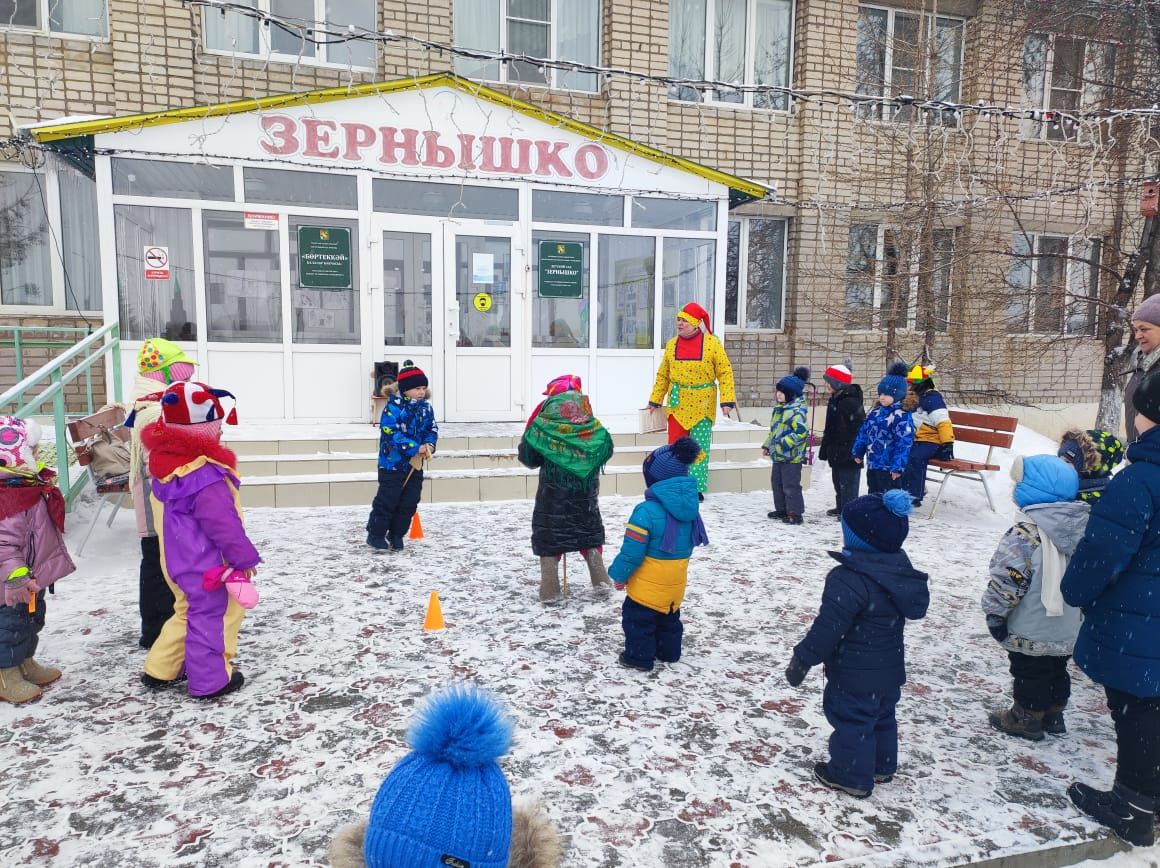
x,y
836,374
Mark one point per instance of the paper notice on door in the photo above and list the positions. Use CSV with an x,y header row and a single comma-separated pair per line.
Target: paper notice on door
x,y
483,268
260,220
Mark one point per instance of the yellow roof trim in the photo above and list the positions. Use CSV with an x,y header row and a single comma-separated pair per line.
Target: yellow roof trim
x,y
51,133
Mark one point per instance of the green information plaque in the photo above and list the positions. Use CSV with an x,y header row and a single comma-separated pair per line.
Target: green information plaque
x,y
324,257
561,269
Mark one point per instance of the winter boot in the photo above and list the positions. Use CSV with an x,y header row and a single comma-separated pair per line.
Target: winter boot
x,y
596,571
160,683
822,775
1053,723
793,518
549,579
1017,720
14,689
235,683
1127,813
776,514
835,512
37,674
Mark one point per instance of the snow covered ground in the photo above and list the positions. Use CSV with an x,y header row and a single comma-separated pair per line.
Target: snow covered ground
x,y
702,763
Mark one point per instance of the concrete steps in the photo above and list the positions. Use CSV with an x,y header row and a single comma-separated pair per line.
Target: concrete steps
x,y
303,469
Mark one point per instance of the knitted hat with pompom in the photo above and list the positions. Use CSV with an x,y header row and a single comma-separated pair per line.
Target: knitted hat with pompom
x,y
665,462
877,522
894,383
793,385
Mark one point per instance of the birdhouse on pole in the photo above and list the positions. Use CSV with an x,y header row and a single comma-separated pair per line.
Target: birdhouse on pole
x,y
1150,200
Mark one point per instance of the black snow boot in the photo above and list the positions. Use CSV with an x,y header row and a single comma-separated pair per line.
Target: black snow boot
x,y
823,776
235,683
776,514
1129,814
1053,722
1019,721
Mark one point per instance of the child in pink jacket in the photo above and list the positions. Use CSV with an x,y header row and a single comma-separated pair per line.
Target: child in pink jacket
x,y
32,558
198,517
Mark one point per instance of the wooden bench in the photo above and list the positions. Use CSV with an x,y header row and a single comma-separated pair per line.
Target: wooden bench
x,y
990,431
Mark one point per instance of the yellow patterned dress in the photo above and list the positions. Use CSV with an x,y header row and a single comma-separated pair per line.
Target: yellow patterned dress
x,y
690,372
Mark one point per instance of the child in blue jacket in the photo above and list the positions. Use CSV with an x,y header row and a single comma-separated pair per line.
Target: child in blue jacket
x,y
786,445
407,432
653,561
858,637
885,438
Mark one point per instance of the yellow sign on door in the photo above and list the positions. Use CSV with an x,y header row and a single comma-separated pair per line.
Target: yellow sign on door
x,y
482,302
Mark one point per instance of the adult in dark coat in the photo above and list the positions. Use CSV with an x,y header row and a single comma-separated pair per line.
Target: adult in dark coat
x,y
1114,577
1146,331
845,413
569,446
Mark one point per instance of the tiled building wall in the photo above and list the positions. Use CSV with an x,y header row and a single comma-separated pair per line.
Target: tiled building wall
x,y
828,165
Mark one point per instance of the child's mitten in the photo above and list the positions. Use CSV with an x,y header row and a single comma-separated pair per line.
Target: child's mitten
x,y
237,584
796,672
18,588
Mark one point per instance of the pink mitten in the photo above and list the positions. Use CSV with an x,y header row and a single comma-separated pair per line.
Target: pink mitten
x,y
18,590
237,585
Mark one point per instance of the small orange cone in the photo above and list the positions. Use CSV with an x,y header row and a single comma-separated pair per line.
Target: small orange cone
x,y
434,620
416,527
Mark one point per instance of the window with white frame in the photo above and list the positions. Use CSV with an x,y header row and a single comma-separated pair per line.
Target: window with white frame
x,y
1062,75
295,37
744,42
755,273
558,30
887,273
1054,284
64,17
904,53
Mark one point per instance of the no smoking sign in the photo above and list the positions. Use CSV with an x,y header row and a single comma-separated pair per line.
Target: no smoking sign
x,y
156,263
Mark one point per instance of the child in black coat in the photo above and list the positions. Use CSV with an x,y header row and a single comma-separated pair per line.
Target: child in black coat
x,y
845,413
858,636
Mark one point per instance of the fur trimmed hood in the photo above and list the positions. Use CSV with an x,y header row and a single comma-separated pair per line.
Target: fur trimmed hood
x,y
1087,447
535,842
171,447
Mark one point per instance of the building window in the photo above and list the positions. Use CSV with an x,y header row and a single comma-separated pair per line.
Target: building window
x,y
587,209
626,289
888,273
688,271
169,179
407,289
560,322
324,310
243,280
25,269
559,30
298,39
744,42
755,261
152,305
1064,74
902,53
1054,284
284,187
65,17
463,201
80,249
687,214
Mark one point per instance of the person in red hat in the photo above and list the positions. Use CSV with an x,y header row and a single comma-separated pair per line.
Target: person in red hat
x,y
693,367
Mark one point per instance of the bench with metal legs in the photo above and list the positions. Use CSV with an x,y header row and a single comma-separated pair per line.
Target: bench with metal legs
x,y
994,432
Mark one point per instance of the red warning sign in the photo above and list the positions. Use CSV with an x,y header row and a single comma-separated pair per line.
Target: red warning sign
x,y
157,263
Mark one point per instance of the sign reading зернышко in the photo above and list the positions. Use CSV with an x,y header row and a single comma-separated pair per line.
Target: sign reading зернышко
x,y
324,257
561,271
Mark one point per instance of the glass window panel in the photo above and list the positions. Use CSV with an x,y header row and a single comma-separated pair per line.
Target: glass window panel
x,y
476,25
231,31
771,63
1050,277
686,46
947,66
283,187
895,280
527,38
149,308
25,275
862,251
1019,280
944,255
560,322
19,13
407,288
589,209
83,17
905,60
1082,286
625,291
535,10
481,256
243,280
732,271
688,214
445,200
870,73
1067,64
79,241
688,275
1034,76
290,39
341,14
578,40
1098,74
172,180
325,316
729,46
765,281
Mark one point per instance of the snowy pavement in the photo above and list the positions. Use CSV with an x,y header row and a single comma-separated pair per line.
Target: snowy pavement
x,y
702,763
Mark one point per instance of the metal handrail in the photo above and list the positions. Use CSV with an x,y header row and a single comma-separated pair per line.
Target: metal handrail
x,y
104,341
17,341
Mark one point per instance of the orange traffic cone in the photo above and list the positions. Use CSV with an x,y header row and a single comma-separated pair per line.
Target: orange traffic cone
x,y
416,527
434,620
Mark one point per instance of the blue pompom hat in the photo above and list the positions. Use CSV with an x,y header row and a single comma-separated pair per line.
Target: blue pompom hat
x,y
665,462
792,385
877,522
894,383
447,802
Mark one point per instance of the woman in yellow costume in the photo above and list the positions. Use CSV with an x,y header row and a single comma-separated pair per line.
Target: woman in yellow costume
x,y
693,365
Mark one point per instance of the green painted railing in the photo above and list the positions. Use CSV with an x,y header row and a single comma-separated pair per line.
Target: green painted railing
x,y
52,378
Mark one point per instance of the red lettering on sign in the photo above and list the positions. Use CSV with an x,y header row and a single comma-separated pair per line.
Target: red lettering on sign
x,y
435,155
358,137
281,130
591,161
548,160
318,137
507,155
467,151
396,140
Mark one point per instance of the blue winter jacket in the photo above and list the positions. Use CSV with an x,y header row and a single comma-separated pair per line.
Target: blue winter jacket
x,y
1114,577
858,631
885,438
404,427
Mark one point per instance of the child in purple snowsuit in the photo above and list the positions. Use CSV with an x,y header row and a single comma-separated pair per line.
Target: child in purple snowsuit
x,y
198,517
